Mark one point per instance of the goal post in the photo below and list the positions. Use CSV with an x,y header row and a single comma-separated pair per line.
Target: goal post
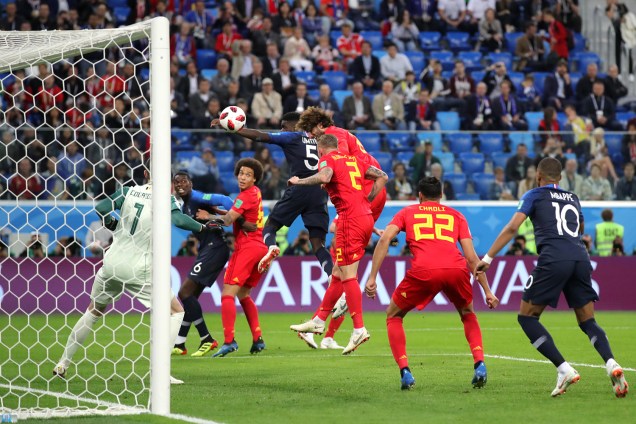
x,y
125,364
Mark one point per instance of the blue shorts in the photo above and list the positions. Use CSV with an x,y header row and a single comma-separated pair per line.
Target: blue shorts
x,y
209,264
573,278
310,202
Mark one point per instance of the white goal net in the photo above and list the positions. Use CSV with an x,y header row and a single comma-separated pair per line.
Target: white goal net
x,y
75,130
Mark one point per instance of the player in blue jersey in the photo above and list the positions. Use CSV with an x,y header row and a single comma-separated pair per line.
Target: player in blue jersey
x,y
211,259
563,267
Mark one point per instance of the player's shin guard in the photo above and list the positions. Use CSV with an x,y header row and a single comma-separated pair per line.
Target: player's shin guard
x,y
193,315
83,327
473,336
354,301
251,313
598,338
334,325
333,293
324,257
269,236
397,340
176,319
228,317
540,339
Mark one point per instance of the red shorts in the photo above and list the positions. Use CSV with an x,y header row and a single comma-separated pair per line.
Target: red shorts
x,y
242,270
420,286
377,206
352,237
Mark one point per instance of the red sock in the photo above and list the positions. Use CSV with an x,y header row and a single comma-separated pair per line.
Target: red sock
x,y
354,301
251,313
334,325
397,340
333,293
228,317
473,335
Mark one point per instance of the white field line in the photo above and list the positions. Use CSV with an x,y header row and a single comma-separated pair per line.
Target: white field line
x,y
459,327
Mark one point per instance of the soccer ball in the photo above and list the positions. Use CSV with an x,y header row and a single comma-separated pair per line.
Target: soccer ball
x,y
232,119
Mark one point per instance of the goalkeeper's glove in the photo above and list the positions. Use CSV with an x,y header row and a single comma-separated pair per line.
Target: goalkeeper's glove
x,y
394,242
110,222
213,225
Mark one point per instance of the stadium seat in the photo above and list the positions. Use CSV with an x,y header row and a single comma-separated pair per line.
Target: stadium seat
x,y
144,74
206,59
478,75
442,55
186,156
340,96
429,41
579,42
115,3
447,159
379,53
472,60
618,161
333,37
399,141
458,181
433,137
121,14
517,138
448,121
468,196
279,157
472,162
511,41
308,77
614,142
539,79
533,119
504,57
370,141
516,78
418,61
337,80
575,77
585,58
225,161
230,183
385,159
624,117
490,143
562,119
182,137
458,41
247,154
499,159
481,184
373,37
405,157
208,74
460,142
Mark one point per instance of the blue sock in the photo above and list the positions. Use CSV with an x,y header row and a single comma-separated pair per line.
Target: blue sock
x,y
540,339
324,257
598,338
269,235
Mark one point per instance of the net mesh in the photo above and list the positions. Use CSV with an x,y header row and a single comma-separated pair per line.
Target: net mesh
x,y
74,129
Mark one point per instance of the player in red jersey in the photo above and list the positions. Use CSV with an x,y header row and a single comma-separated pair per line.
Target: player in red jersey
x,y
432,232
342,176
242,273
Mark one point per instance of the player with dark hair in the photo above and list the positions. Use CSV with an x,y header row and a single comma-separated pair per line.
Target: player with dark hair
x,y
211,259
242,272
309,202
563,266
432,232
342,176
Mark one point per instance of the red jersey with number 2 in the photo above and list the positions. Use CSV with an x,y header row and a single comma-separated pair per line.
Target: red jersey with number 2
x,y
432,232
249,203
346,186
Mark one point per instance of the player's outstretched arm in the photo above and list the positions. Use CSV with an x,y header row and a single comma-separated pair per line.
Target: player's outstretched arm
x,y
106,206
379,178
507,233
322,177
212,200
180,220
255,135
380,252
471,257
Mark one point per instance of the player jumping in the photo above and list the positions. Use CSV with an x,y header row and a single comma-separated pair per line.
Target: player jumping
x,y
127,263
342,176
563,266
432,232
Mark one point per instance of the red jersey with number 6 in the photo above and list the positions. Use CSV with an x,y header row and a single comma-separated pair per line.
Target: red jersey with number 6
x,y
432,232
346,186
249,203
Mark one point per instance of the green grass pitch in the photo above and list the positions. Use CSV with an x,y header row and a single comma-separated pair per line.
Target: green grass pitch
x,y
290,383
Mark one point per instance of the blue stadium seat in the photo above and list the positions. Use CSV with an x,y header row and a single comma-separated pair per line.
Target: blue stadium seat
x,y
460,142
511,41
618,161
458,41
575,77
579,42
533,119
186,155
468,196
481,184
247,154
144,74
447,159
385,159
379,53
208,74
562,119
371,141
279,157
448,121
373,37
516,78
442,55
183,137
429,41
230,183
517,138
206,59
490,143
623,117
478,76
472,60
121,14
472,162
405,157
340,96
116,3
308,77
585,58
499,159
399,141
614,142
539,79
433,137
504,57
337,80
418,61
458,181
333,36
225,160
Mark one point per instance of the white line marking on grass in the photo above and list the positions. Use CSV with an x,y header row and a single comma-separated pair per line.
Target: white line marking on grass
x,y
192,420
543,361
458,328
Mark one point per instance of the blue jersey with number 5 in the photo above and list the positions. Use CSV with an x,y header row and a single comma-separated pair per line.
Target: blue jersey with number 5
x,y
557,218
301,152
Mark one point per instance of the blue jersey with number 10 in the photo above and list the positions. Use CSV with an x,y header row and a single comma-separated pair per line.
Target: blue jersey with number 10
x,y
557,218
300,151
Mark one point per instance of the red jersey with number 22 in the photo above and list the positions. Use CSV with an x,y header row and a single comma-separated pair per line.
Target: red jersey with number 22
x,y
346,186
249,203
432,232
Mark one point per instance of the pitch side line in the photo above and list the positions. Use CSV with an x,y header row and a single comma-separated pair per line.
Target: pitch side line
x,y
192,420
457,328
